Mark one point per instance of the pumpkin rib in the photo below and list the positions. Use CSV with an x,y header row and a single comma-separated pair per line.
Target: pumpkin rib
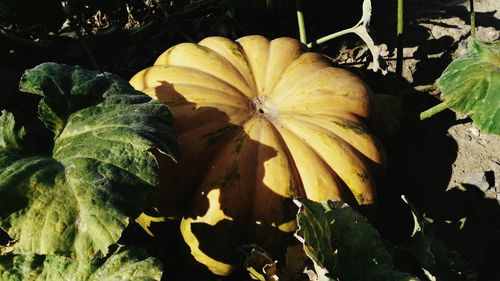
x,y
357,177
214,43
323,104
334,81
220,166
315,166
213,131
204,59
340,113
251,88
222,172
282,53
354,134
257,58
182,110
275,165
266,69
299,190
307,62
154,76
201,94
329,178
233,116
189,92
278,98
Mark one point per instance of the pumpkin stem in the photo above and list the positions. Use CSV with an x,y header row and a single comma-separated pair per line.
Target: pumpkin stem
x,y
263,107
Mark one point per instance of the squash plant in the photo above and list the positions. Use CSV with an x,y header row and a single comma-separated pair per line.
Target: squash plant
x,y
343,245
64,207
471,83
260,122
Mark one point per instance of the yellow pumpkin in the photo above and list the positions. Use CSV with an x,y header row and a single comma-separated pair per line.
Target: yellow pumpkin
x,y
260,122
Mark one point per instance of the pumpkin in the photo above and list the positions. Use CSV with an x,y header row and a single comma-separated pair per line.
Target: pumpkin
x,y
260,122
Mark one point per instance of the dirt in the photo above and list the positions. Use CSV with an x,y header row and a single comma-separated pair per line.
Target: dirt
x,y
478,155
452,170
445,166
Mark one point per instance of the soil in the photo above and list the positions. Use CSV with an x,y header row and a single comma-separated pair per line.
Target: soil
x,y
445,166
449,170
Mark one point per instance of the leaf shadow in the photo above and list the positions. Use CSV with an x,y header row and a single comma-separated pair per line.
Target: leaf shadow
x,y
183,194
470,223
421,157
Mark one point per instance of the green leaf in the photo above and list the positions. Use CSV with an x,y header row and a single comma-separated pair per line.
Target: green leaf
x,y
11,136
121,264
471,85
343,245
76,199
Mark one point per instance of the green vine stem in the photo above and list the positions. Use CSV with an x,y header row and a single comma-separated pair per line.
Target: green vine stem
x,y
300,20
333,36
360,29
399,34
433,110
472,20
425,88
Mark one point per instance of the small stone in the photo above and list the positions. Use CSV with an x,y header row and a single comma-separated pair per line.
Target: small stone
x,y
477,179
474,132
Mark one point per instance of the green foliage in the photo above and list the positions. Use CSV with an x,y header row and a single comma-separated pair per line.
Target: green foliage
x,y
122,263
76,199
344,246
471,85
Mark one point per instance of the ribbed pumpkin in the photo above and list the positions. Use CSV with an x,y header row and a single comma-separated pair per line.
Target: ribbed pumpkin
x,y
260,122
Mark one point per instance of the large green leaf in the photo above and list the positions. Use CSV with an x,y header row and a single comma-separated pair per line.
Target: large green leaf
x,y
343,245
121,264
76,199
11,135
471,85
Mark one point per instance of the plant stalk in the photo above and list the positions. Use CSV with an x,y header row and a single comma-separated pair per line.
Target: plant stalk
x,y
433,110
331,36
425,88
399,34
301,23
472,20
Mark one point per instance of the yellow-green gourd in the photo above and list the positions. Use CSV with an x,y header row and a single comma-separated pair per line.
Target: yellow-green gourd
x,y
260,122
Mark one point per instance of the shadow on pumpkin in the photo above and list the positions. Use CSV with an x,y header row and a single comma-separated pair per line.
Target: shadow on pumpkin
x,y
218,186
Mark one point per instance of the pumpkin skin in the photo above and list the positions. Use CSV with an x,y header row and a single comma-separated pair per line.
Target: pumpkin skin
x,y
261,122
